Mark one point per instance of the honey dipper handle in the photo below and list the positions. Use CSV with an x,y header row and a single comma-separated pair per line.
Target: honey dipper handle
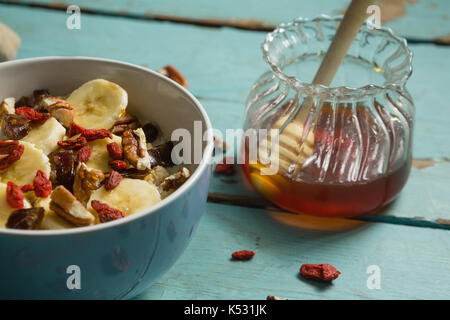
x,y
351,23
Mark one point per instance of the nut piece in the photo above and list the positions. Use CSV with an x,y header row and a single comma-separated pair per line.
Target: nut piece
x,y
86,181
124,123
157,175
173,182
134,149
60,109
64,204
172,73
7,106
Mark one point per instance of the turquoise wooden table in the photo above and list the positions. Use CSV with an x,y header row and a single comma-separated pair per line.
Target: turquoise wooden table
x,y
215,44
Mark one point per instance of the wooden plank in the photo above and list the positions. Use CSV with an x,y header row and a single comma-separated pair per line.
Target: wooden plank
x,y
221,64
282,242
419,20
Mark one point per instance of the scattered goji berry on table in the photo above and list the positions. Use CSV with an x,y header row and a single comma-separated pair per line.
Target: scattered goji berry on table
x,y
118,165
113,180
115,151
105,212
225,166
94,134
42,186
14,195
84,154
72,144
33,115
319,272
74,129
242,255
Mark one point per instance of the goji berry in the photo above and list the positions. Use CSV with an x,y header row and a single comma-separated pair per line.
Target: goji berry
x,y
115,151
242,255
84,154
113,180
27,187
74,129
14,195
14,155
319,272
33,115
72,144
94,134
42,186
105,212
118,165
225,166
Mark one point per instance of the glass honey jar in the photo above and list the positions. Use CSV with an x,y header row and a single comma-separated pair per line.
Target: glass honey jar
x,y
335,151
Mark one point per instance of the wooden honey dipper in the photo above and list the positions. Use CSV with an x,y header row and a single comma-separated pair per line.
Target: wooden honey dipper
x,y
290,151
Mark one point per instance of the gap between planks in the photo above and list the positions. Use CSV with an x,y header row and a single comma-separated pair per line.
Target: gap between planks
x,y
258,203
243,24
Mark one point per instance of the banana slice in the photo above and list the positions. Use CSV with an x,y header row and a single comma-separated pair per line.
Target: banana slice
x,y
24,170
51,220
5,209
130,196
46,136
98,104
100,157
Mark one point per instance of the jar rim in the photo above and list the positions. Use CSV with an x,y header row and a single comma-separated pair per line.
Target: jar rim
x,y
322,90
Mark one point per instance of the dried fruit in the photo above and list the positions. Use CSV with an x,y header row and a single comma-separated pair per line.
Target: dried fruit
x,y
14,195
242,255
84,154
134,173
33,115
161,155
13,151
172,73
320,272
42,186
65,205
113,180
28,219
15,127
105,212
115,151
74,129
118,165
23,102
72,144
94,134
151,132
38,98
86,181
27,187
64,166
225,166
124,123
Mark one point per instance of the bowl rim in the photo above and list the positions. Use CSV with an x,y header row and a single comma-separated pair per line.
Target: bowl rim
x,y
202,166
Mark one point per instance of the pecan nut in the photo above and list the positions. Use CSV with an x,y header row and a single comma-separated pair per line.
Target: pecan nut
x,y
65,205
60,109
170,72
124,123
174,181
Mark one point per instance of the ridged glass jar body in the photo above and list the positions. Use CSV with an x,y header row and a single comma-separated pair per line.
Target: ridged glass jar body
x,y
349,153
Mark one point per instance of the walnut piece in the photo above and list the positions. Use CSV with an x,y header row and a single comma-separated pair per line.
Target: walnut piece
x,y
86,181
64,204
124,123
134,149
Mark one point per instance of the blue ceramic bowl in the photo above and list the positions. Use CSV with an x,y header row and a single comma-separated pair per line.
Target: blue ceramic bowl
x,y
118,259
